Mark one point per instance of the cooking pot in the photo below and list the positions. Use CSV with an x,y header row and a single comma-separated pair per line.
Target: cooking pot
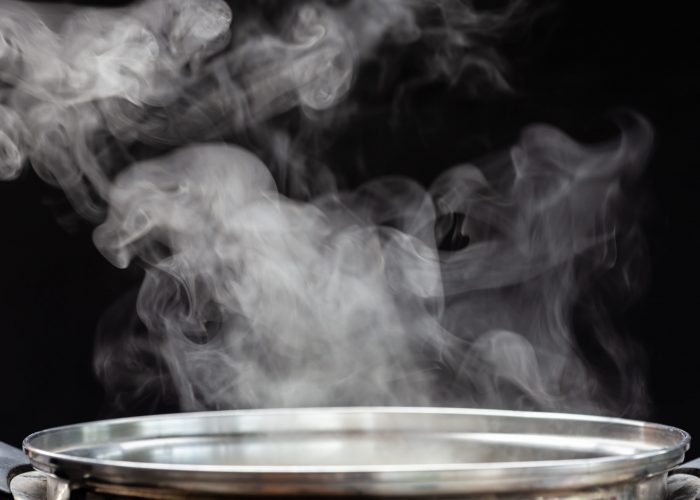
x,y
375,451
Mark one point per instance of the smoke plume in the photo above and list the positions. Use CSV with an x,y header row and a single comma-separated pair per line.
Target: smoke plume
x,y
272,285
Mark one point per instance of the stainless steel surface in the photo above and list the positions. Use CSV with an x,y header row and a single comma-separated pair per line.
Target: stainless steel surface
x,y
365,451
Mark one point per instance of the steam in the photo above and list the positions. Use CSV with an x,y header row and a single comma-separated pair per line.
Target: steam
x,y
260,300
91,83
271,286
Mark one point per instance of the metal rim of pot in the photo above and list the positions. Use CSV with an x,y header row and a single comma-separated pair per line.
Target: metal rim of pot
x,y
552,452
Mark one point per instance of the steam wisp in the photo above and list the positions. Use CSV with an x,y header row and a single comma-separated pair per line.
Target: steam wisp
x,y
258,296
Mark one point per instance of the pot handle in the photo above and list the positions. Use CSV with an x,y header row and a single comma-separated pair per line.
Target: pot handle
x,y
12,462
691,468
684,481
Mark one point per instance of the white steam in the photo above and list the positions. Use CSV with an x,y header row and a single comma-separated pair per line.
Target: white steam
x,y
259,300
253,298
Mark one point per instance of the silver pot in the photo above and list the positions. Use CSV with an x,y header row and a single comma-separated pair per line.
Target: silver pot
x,y
385,452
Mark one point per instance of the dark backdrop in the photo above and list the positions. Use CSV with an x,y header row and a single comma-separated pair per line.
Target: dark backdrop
x,y
578,63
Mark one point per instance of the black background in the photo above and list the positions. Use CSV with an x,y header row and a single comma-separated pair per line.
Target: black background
x,y
575,66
